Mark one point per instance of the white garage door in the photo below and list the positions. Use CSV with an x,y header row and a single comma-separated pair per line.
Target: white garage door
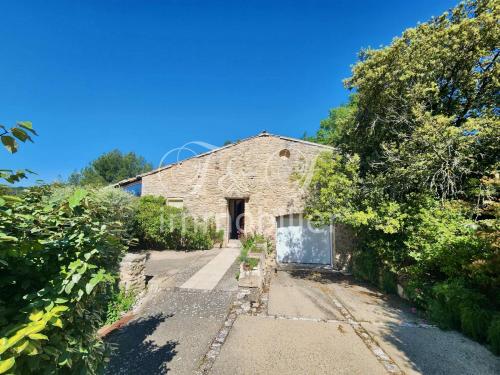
x,y
297,241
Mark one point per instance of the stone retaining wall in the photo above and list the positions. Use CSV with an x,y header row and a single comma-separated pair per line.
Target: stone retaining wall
x,y
132,277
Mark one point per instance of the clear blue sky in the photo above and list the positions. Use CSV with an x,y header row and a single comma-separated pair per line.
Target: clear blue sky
x,y
148,76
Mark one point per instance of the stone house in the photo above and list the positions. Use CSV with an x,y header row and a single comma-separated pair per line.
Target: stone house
x,y
257,185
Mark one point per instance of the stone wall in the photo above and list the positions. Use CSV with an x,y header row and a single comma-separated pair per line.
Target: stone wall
x,y
345,242
132,277
262,170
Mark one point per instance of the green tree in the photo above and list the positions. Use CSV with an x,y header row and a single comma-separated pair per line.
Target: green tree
x,y
59,255
434,91
340,118
424,198
109,168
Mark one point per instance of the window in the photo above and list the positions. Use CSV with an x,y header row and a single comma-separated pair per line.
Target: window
x,y
175,202
285,154
134,189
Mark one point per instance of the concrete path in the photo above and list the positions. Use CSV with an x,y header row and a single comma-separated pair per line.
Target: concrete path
x,y
210,275
260,345
174,326
322,323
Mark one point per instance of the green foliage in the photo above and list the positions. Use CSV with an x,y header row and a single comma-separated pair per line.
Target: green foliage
x,y
253,243
366,266
120,302
217,236
59,251
251,263
334,189
494,334
160,226
457,306
474,321
248,261
449,299
58,259
417,172
388,281
436,81
22,131
331,129
109,168
244,253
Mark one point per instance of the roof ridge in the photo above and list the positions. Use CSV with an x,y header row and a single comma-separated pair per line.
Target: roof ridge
x,y
264,133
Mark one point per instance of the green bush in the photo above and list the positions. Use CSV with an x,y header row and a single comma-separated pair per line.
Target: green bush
x,y
249,262
474,321
388,281
444,307
255,242
244,253
417,174
455,306
494,334
160,226
59,255
217,236
120,302
366,266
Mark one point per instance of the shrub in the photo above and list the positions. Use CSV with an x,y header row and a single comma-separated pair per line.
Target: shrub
x,y
388,281
244,253
251,243
474,321
456,306
251,263
59,253
160,226
366,266
248,262
255,242
217,236
494,334
118,203
418,180
444,308
120,302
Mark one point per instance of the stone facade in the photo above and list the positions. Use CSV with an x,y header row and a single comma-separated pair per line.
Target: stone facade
x,y
269,172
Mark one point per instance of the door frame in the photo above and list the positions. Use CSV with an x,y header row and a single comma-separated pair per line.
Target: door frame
x,y
229,222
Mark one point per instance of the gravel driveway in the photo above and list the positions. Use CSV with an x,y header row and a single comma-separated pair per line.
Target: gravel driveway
x,y
174,327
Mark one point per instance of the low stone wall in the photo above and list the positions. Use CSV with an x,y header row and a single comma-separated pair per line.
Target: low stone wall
x,y
253,278
132,277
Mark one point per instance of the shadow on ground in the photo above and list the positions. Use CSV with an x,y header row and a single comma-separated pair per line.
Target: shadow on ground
x,y
370,294
417,348
135,353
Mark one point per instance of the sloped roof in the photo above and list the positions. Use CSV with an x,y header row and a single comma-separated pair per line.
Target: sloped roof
x,y
262,134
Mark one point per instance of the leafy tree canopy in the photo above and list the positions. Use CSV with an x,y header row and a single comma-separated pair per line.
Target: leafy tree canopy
x,y
332,128
425,112
417,177
109,168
